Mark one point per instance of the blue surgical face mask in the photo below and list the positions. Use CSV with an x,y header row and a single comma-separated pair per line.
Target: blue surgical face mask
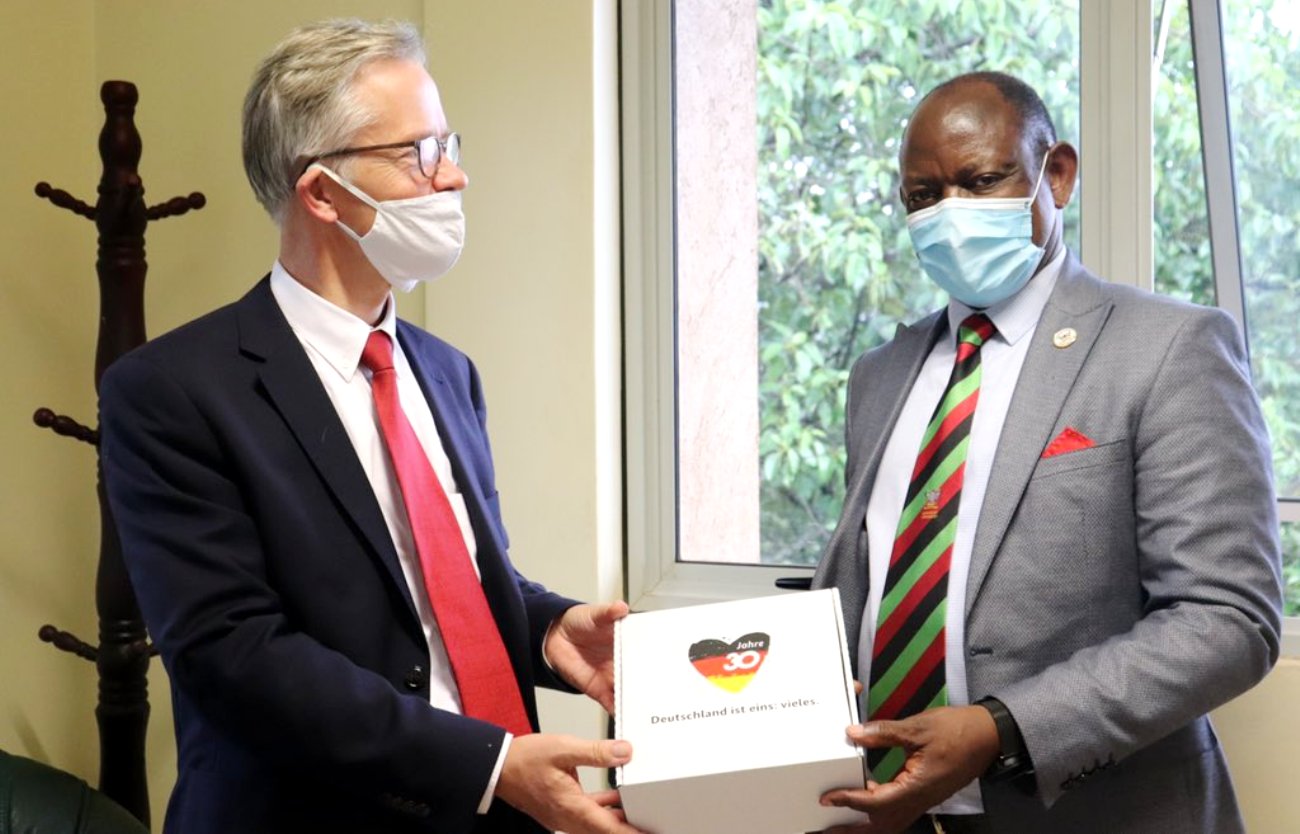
x,y
980,251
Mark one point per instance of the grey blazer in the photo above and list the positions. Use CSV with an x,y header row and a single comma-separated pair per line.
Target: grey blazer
x,y
1116,593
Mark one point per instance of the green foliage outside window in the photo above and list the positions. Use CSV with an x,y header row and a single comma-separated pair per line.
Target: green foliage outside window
x,y
1263,63
836,83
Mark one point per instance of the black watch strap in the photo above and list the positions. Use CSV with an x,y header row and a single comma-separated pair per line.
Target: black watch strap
x,y
1013,756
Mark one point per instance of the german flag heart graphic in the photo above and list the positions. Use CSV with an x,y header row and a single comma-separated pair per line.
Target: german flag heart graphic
x,y
731,666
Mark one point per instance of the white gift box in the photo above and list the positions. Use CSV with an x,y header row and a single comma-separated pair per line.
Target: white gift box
x,y
736,714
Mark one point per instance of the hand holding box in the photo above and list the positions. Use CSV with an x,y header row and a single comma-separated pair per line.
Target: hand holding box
x,y
737,713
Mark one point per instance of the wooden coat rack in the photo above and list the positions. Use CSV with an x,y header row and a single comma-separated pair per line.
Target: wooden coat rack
x,y
122,656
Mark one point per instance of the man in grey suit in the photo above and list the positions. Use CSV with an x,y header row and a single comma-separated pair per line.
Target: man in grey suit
x,y
1082,560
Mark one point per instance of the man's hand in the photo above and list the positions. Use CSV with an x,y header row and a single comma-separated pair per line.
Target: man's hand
x,y
580,647
946,748
539,777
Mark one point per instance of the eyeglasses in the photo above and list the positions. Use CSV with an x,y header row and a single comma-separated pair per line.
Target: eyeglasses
x,y
429,151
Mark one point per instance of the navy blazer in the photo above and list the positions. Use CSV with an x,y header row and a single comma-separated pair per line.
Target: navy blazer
x,y
270,583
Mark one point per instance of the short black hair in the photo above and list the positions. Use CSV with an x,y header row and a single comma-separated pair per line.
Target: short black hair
x,y
1035,122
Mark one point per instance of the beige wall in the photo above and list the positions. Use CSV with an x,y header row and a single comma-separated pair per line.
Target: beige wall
x,y
47,493
532,87
535,298
1261,734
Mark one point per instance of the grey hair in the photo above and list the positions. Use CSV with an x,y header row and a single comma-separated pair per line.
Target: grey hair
x,y
301,102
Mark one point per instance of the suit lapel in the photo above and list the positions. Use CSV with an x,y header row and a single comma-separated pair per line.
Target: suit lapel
x,y
458,429
1045,382
295,391
453,433
912,345
845,563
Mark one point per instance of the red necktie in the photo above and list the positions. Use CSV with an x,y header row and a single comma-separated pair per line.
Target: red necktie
x,y
484,676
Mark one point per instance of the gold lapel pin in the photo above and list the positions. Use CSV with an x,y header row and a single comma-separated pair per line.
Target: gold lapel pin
x,y
1064,337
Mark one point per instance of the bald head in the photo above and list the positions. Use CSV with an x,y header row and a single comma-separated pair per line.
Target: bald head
x,y
1035,122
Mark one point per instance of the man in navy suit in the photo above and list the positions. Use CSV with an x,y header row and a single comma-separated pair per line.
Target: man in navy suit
x,y
262,516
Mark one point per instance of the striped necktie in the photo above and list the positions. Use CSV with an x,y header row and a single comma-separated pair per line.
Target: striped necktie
x,y
907,655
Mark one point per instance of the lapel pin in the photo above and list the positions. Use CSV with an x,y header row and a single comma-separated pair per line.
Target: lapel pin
x,y
1064,337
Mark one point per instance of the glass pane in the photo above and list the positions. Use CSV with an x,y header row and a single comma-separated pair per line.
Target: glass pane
x,y
791,252
1181,247
1291,568
1262,51
836,272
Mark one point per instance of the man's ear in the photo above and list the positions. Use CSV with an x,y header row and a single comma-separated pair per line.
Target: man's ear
x,y
315,192
1062,172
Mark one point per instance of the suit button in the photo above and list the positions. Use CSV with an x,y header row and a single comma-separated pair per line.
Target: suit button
x,y
415,678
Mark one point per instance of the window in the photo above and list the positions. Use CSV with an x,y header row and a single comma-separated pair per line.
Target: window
x,y
1254,48
1261,48
836,84
767,248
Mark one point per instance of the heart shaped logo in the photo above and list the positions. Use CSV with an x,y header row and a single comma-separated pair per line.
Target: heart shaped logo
x,y
731,666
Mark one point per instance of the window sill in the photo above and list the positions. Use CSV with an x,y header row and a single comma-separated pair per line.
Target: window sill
x,y
685,583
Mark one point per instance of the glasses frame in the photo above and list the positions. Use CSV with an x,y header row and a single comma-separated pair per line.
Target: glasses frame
x,y
448,147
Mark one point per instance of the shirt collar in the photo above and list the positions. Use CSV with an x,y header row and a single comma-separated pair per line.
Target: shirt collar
x,y
336,334
1018,315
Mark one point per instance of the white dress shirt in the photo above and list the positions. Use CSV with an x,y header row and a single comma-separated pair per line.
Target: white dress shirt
x,y
1001,359
333,339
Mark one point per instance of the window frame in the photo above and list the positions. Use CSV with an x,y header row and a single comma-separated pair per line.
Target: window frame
x,y
1117,240
1206,18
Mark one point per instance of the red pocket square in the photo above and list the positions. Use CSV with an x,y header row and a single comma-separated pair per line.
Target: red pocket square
x,y
1068,440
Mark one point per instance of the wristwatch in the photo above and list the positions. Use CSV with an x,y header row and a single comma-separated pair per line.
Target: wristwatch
x,y
1013,757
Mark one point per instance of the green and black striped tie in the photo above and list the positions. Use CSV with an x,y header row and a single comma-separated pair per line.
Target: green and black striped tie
x,y
907,654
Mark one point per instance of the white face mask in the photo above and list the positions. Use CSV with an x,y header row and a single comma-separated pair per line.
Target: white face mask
x,y
412,240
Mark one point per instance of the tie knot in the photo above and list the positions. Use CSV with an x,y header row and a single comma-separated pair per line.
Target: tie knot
x,y
377,355
975,330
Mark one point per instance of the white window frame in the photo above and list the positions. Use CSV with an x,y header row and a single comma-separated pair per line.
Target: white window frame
x,y
1117,235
